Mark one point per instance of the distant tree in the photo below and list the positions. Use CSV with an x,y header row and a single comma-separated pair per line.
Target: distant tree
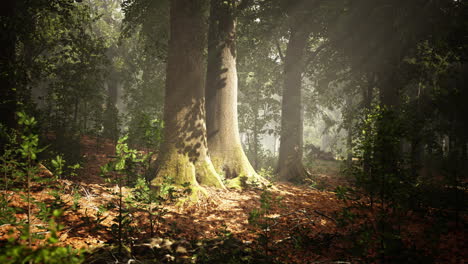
x,y
290,167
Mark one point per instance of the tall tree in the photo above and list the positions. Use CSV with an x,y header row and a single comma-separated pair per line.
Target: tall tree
x,y
184,154
221,96
290,167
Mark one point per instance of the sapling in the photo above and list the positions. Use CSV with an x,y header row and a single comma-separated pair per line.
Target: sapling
x,y
23,161
115,171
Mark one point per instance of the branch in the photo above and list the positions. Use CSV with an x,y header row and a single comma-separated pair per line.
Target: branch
x,y
279,50
316,52
322,214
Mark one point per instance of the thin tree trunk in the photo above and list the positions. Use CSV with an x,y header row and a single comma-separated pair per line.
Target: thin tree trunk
x,y
349,136
368,95
290,167
349,145
184,150
221,97
7,59
255,140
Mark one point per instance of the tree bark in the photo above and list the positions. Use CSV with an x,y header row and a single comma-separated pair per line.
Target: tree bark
x,y
224,143
290,167
184,154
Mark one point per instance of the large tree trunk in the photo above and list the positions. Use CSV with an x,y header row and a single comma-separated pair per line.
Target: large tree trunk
x,y
290,167
184,154
221,97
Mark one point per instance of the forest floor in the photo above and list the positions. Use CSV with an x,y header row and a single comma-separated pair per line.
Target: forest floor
x,y
300,226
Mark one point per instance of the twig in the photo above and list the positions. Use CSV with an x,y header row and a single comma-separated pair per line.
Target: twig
x,y
87,193
322,214
116,259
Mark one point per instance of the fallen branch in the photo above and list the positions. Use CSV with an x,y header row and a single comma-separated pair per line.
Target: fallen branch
x,y
322,214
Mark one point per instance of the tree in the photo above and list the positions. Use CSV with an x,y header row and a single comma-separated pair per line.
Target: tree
x,y
7,57
290,167
184,154
221,96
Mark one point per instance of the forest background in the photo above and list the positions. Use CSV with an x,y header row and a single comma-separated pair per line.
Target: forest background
x,y
240,94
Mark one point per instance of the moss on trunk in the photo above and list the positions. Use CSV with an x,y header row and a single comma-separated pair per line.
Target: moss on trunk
x,y
221,97
184,150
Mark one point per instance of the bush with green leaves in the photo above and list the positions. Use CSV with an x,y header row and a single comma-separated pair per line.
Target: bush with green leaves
x,y
21,169
145,132
129,168
47,253
121,172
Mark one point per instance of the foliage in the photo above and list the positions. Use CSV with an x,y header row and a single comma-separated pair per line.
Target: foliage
x,y
21,171
129,169
124,165
144,131
259,74
145,31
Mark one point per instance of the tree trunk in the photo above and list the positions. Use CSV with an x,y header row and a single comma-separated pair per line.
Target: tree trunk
x,y
349,145
255,138
368,95
290,167
349,130
224,143
184,154
7,59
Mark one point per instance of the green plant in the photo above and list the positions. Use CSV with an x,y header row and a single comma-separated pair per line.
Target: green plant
x,y
124,169
267,173
8,161
7,213
48,253
60,167
145,131
76,199
28,148
22,156
151,203
58,164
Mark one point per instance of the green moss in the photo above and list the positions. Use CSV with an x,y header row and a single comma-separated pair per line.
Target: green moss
x,y
234,183
178,167
196,193
207,175
236,162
